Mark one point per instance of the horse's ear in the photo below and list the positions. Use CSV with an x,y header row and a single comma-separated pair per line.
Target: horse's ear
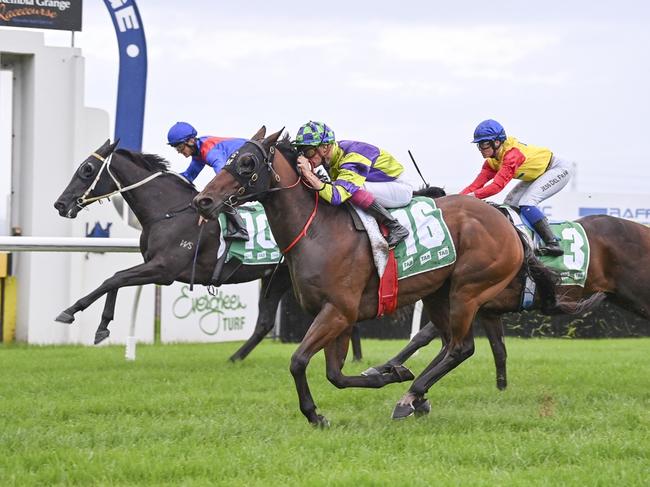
x,y
273,138
260,134
104,146
112,147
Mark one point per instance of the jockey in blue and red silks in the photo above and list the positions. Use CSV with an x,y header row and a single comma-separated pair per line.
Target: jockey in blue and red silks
x,y
208,151
368,176
541,174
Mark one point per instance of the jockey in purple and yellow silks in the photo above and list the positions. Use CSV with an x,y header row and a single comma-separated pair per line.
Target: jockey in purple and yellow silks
x,y
208,151
368,176
542,174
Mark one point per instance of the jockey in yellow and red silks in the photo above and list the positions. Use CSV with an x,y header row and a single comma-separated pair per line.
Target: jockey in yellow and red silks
x,y
542,174
364,174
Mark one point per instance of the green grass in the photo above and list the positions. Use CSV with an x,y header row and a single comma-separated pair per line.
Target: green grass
x,y
575,413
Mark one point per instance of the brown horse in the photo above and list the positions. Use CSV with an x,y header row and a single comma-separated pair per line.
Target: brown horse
x,y
619,266
334,276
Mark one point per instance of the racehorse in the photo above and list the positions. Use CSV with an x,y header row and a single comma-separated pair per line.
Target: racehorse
x,y
334,277
161,200
619,267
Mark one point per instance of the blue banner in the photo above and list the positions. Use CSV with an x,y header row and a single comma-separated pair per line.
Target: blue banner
x,y
132,83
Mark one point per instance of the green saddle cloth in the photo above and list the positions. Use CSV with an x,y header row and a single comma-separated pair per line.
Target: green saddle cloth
x,y
429,245
260,248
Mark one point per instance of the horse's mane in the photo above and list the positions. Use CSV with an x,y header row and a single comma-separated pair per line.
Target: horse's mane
x,y
287,149
150,162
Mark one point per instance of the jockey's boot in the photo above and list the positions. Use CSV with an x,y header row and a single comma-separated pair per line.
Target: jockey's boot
x,y
235,227
551,243
396,232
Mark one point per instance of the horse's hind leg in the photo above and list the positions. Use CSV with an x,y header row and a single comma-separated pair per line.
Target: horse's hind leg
x,y
456,351
494,331
356,343
265,320
437,308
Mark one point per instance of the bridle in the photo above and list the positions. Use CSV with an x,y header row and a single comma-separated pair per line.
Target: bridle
x,y
83,200
260,178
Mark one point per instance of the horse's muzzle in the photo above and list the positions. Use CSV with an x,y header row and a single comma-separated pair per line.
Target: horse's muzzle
x,y
64,211
206,206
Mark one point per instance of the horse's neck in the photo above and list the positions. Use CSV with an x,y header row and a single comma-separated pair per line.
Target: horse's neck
x,y
155,197
289,210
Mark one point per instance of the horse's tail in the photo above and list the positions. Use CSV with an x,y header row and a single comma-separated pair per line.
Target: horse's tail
x,y
547,281
430,192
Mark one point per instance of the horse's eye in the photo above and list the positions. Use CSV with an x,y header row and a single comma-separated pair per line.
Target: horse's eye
x,y
245,165
86,170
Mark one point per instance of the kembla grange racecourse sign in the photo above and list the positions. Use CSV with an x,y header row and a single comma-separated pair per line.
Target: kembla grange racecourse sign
x,y
41,14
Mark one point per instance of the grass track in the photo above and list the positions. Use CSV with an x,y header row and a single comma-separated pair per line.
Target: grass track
x,y
576,412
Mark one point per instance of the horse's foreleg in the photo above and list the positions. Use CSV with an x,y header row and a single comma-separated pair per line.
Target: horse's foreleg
x,y
437,308
103,332
421,339
494,332
147,273
335,354
324,330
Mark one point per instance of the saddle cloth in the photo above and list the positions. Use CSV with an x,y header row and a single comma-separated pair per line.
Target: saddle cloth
x,y
428,247
260,248
574,264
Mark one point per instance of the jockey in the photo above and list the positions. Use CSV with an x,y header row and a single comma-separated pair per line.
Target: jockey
x,y
208,151
364,174
542,174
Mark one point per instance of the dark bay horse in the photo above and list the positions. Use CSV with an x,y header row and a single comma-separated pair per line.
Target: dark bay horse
x,y
162,206
334,277
619,267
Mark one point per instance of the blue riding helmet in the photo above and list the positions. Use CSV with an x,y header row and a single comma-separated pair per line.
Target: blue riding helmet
x,y
180,132
489,130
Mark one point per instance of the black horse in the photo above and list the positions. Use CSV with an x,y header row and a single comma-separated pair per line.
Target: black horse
x,y
161,200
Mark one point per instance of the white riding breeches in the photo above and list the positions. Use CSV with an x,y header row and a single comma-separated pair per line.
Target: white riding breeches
x,y
532,193
391,194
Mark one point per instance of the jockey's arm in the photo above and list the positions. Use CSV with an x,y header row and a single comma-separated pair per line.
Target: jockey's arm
x,y
511,161
193,170
486,174
353,170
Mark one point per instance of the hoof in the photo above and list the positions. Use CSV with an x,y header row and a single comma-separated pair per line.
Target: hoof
x,y
502,384
101,335
403,411
321,422
403,373
422,406
370,371
64,318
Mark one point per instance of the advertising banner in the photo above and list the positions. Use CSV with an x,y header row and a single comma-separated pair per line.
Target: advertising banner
x,y
197,316
571,206
132,82
41,14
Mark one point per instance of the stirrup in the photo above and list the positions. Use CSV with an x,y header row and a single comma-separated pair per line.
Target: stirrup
x,y
239,234
395,236
550,250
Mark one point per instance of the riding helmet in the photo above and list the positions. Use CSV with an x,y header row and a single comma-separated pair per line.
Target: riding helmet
x,y
489,130
180,132
314,134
